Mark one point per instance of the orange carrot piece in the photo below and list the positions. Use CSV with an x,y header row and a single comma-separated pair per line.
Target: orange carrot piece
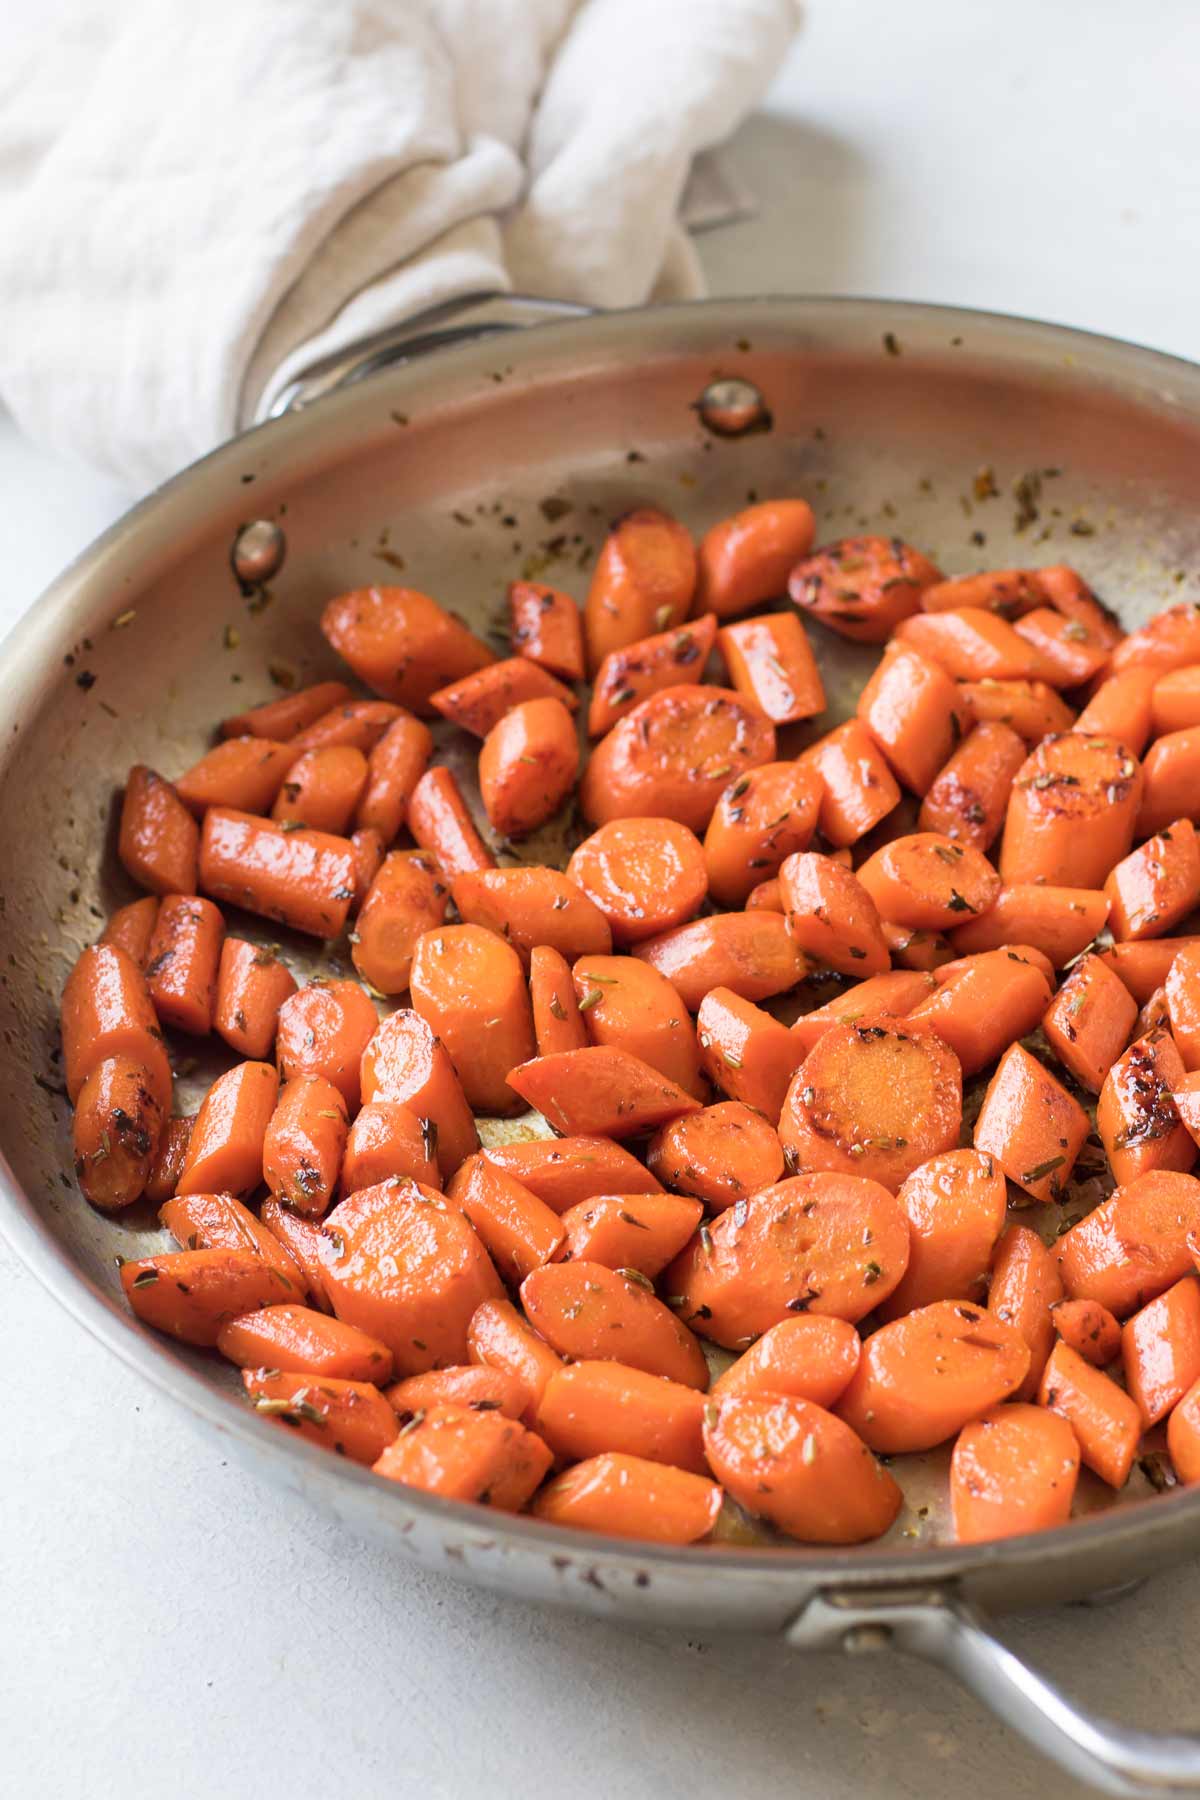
x,y
1160,1346
181,968
973,646
1182,994
628,1004
1156,885
587,1311
322,790
1069,594
645,875
915,714
643,581
955,1205
989,1002
745,1052
468,984
351,1418
222,1222
808,1357
673,755
599,1091
1025,1288
563,1171
303,1146
831,916
765,896
308,1342
280,720
115,1133
929,881
518,1230
471,1385
969,795
923,1377
406,1063
480,700
358,725
388,1142
746,559
441,823
720,1155
189,1294
590,1408
158,837
1183,1436
1136,1116
1175,700
1072,812
859,788
754,954
759,821
771,662
1187,1103
1145,966
1058,921
499,1338
106,1011
642,1232
323,1030
890,996
401,643
627,1496
557,1022
1088,1022
1089,1328
630,675
1013,1470
862,587
303,1240
545,626
245,773
252,985
1068,647
464,1454
131,928
1153,1014
1032,708
1170,773
1009,592
800,1467
407,898
1031,1125
533,906
304,879
225,1151
1120,708
1134,1245
1103,1417
527,766
169,1159
368,859
1170,640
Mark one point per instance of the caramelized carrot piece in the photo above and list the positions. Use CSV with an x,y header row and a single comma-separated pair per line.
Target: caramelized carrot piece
x,y
1031,708
115,1133
1175,700
1135,1115
225,1152
1031,1125
189,1294
929,882
1183,1436
244,772
1187,1103
1156,885
1025,1288
1120,708
1170,640
131,927
498,1338
1067,647
974,646
745,1052
479,701
159,837
302,1149
252,985
181,971
518,1230
1145,966
533,906
169,1159
281,719
221,1222
304,1242
358,725
557,1022
771,662
630,675
1072,812
406,899
563,1171
1182,994
545,626
673,755
1069,594
627,1496
304,879
628,1004
1009,592
1160,1346
831,916
1089,1328
1088,1022
323,1030
923,1377
759,821
464,1454
890,996
1153,1014
590,1408
1027,953
440,822
746,559
471,1385
527,766
322,789
644,580
599,1091
405,1062
754,953
1134,1245
969,795
368,859
1105,1420
765,896
308,1342
876,1098
862,587
1058,921
106,1012
989,1002
1013,1470
859,788
915,714
834,1245
955,1205
351,1418
809,1357
470,987
720,1154
401,643
645,875
586,1311
388,1142
1171,773
800,1467
642,1232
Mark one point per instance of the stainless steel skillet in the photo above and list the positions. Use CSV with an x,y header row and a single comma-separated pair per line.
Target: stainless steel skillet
x,y
986,440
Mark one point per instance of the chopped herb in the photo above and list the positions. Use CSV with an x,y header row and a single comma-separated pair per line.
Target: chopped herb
x,y
1042,1170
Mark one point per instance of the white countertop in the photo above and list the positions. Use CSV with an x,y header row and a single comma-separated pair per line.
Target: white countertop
x,y
170,1627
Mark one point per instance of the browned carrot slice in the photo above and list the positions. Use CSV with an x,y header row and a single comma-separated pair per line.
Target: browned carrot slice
x,y
406,899
642,1232
747,559
545,626
323,1030
1013,1470
480,700
181,968
673,755
1170,640
518,1230
1069,594
225,1151
1144,966
190,1294
470,987
115,1133
644,875
630,675
765,896
859,787
281,719
627,1496
302,1149
720,1154
628,1004
1068,647
801,1467
922,1377
531,906
1136,1116
759,821
401,643
106,1012
159,837
1134,1245
1059,921
644,580
599,1091
563,1171
589,1408
1072,812
1088,1022
464,1454
862,587
1181,991
252,985
351,1418
929,882
745,1052
305,1341
754,954
1105,1420
358,725
987,1003
969,795
584,1310
915,714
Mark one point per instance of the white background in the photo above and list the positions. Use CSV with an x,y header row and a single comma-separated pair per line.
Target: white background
x,y
167,1626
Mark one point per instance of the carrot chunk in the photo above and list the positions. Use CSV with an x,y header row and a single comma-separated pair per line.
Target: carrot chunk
x,y
630,675
304,879
1009,592
302,1240
599,1091
1183,1436
351,1418
1031,1125
245,773
281,719
480,700
1069,594
643,581
303,1145
584,1310
225,1151
719,1155
159,838
1175,700
1160,1346
190,1294
831,916
131,927
1170,640
358,725
181,969
673,755
643,1232
746,559
322,789
984,1006
1120,708
527,766
645,875
628,1004
252,985
859,788
955,1206
401,643
468,984
545,626
754,954
1089,1328
470,1385
771,662
862,587
929,881
1171,773
1136,1116
1156,885
1070,651
1088,1022
890,996
745,1052
106,1012
1072,812
923,1377
563,1171
406,899
367,846
1105,1420
388,1142
591,1408
557,1021
518,1230
323,1030
1058,921
969,794
801,1467
1025,1288
533,906
115,1133
1145,965
308,1342
441,823
405,1062
759,821
627,1496
809,1357
915,714
1013,1470
1182,995
1134,1245
222,1222
169,1159
1031,708
973,646
499,1338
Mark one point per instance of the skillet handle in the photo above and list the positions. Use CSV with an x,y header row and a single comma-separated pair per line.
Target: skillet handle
x,y
437,328
938,1626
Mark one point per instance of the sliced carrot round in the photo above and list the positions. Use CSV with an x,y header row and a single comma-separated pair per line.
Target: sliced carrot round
x,y
929,881
585,1311
1013,1470
802,1468
810,1356
922,1377
645,875
673,755
720,1155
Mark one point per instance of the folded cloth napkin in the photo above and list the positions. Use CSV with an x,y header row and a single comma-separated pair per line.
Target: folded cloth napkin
x,y
198,200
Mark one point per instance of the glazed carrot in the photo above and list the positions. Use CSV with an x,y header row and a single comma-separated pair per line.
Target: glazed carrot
x,y
989,1002
308,1342
1059,921
720,1155
115,1133
1025,1288
221,1222
800,1467
181,971
765,895
834,1245
518,1230
832,917
862,587
1175,700
1170,640
1069,594
955,1205
630,675
1072,812
401,643
1182,994
586,1311
753,953
304,1242
645,875
244,772
304,879
1171,773
225,1152
470,987
1183,1436
974,646
189,1294
1031,708
642,1232
859,788
1013,1470
404,1265
626,1496
131,927
470,1385
406,899
1134,1245
890,996
479,701
1009,592
760,820
281,719
351,1418
545,625
533,906
1089,1328
1155,1013
388,1142
302,1149
876,1098
969,794
1145,966
915,714
929,882
107,1012
440,822
463,1454
322,790
557,1022
809,1357
1120,708
527,766
1187,1103
600,1091
644,580
171,1155
673,755
323,1030
1031,1125
1160,1346
1156,885
252,985
563,1171
405,1062
159,837
923,1377
368,860
1135,1115
1027,953
1088,1022
498,1338
628,1004
747,558
589,1408
745,1052
1105,1420
1068,647
771,662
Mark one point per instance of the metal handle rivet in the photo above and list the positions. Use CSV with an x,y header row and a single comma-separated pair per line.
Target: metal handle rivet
x,y
258,552
733,407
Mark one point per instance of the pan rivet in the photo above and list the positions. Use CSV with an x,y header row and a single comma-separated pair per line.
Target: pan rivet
x,y
733,407
861,1639
258,552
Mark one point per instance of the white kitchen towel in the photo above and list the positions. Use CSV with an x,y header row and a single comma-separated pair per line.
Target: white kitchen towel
x,y
198,199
